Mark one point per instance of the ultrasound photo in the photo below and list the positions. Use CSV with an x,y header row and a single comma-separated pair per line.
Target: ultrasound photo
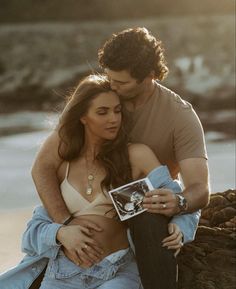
x,y
128,199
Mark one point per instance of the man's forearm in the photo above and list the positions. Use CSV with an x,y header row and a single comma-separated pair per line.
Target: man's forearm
x,y
48,188
197,196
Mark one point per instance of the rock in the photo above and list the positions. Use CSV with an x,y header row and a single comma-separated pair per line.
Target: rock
x,y
35,61
209,262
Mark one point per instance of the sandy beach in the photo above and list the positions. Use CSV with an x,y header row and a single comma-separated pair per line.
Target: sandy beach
x,y
12,224
18,196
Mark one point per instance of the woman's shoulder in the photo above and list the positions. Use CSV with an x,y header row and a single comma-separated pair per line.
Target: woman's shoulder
x,y
142,158
139,150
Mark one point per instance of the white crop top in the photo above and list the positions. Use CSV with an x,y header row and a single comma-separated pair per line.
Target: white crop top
x,y
78,205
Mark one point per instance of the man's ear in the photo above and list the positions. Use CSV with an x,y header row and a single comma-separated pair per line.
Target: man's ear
x,y
152,74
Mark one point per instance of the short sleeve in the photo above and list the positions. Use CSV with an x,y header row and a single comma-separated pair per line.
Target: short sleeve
x,y
189,139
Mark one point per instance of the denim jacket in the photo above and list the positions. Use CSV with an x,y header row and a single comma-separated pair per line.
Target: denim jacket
x,y
39,240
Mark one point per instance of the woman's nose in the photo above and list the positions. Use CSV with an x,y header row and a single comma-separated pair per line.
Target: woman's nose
x,y
114,117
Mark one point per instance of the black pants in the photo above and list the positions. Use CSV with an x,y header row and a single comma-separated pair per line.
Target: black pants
x,y
157,265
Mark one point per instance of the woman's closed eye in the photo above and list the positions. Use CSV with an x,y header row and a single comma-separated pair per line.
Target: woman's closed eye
x,y
101,112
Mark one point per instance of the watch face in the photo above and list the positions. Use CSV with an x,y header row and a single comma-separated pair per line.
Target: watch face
x,y
182,202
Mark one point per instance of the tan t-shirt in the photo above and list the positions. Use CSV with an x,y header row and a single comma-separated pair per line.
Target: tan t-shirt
x,y
170,127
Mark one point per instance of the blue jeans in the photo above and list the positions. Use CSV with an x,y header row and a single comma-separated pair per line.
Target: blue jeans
x,y
116,271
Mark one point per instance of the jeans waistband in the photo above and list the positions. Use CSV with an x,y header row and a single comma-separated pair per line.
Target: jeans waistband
x,y
106,269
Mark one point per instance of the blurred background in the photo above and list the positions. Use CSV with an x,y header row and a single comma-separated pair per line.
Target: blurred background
x,y
46,46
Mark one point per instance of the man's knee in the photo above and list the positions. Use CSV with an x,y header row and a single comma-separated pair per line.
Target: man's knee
x,y
146,220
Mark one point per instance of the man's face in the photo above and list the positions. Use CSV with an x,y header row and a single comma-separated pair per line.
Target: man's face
x,y
124,84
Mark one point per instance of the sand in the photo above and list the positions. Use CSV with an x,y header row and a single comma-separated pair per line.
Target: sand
x,y
12,224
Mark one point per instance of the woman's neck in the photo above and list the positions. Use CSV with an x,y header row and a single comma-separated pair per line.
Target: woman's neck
x,y
91,149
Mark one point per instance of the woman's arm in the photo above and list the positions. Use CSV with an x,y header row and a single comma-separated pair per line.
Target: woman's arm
x,y
40,235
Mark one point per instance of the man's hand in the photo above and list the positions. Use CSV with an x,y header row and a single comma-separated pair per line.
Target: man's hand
x,y
79,246
161,201
175,240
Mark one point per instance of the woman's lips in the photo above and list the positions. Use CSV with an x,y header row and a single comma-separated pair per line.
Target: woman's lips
x,y
112,129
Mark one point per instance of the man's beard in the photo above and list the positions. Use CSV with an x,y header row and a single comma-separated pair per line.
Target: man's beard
x,y
126,97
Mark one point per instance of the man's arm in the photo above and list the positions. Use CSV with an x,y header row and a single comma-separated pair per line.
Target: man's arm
x,y
194,173
160,177
195,176
44,174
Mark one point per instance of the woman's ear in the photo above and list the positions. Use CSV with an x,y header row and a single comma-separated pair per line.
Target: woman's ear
x,y
83,120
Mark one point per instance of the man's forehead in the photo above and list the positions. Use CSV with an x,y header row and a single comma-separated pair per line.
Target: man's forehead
x,y
122,75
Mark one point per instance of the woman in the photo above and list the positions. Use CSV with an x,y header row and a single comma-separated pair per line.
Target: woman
x,y
96,157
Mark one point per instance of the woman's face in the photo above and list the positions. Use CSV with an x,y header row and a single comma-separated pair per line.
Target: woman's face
x,y
103,119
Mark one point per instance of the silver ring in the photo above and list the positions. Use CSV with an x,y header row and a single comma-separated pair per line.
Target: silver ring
x,y
164,206
85,246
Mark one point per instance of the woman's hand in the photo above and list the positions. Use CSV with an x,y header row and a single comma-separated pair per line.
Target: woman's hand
x,y
174,241
79,246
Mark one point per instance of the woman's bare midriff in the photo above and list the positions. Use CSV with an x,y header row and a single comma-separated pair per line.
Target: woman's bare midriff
x,y
113,236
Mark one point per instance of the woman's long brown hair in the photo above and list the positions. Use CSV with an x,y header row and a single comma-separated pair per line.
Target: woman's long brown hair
x,y
113,155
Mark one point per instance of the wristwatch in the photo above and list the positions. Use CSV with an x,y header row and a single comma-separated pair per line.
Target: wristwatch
x,y
182,203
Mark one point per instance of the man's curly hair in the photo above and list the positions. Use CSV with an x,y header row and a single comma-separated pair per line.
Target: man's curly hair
x,y
135,50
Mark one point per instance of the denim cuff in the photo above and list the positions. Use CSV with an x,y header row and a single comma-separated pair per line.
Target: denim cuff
x,y
51,234
160,177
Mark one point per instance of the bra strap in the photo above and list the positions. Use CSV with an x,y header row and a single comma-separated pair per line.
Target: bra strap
x,y
67,169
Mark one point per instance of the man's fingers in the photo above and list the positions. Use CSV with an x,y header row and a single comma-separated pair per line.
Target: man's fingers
x,y
155,199
158,192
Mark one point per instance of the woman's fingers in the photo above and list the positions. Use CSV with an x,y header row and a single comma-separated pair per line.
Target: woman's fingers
x,y
85,231
84,257
86,223
93,255
177,252
174,240
73,256
92,226
177,243
94,244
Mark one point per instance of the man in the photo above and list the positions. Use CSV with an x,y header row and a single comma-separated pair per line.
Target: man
x,y
134,61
